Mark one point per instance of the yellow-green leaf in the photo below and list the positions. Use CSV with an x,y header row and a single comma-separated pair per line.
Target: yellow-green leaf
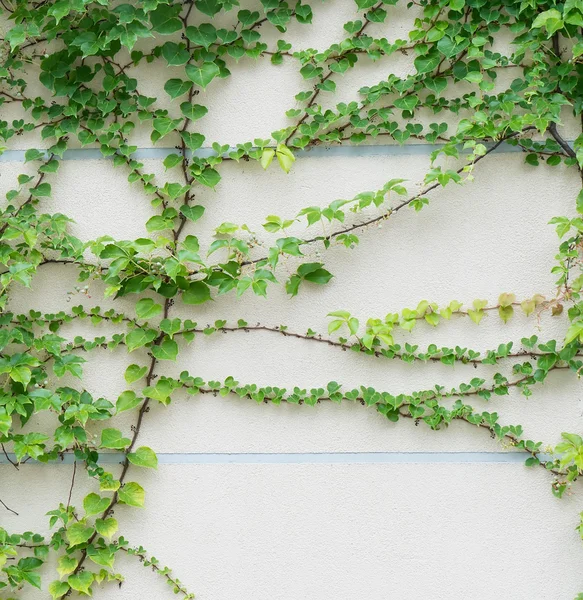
x,y
57,589
266,157
285,157
106,527
132,494
79,533
505,312
66,565
81,582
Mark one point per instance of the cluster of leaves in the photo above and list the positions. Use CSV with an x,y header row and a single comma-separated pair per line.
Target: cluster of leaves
x,y
381,330
89,54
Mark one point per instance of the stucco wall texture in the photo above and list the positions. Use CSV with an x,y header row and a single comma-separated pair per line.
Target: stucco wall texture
x,y
434,530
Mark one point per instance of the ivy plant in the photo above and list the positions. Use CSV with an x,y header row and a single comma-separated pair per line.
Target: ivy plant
x,y
82,57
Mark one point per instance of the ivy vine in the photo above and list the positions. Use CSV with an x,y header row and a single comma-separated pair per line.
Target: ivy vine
x,y
82,54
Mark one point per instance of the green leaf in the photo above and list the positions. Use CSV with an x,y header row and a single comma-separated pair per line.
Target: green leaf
x,y
191,244
312,272
551,20
192,140
203,75
33,154
407,102
193,111
175,54
204,35
102,557
580,202
208,7
335,325
505,299
575,331
144,457
167,350
547,361
209,177
112,438
532,159
310,71
21,374
165,20
50,167
428,63
293,285
319,276
198,292
172,160
132,494
343,314
133,373
164,125
364,4
41,190
16,35
528,306
160,392
146,308
176,87
126,401
5,423
94,504
139,337
193,213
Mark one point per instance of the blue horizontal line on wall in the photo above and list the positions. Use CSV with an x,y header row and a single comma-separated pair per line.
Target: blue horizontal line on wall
x,y
318,151
312,458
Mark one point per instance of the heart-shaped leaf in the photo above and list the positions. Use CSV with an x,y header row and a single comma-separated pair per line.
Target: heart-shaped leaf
x,y
202,75
144,457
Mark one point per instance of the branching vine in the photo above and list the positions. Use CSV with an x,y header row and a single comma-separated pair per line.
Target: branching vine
x,y
88,54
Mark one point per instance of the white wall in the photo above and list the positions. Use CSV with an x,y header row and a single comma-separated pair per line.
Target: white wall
x,y
350,531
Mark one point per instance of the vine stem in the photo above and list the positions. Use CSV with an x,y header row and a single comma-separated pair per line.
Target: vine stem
x,y
14,213
552,128
8,457
397,208
72,484
23,212
433,395
324,79
8,508
354,227
512,439
319,338
346,346
151,371
426,190
141,554
126,463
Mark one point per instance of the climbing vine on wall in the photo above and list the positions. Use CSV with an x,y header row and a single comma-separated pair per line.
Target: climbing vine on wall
x,y
67,68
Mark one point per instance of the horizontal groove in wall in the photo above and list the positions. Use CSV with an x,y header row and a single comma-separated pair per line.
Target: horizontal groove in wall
x,y
280,458
316,152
